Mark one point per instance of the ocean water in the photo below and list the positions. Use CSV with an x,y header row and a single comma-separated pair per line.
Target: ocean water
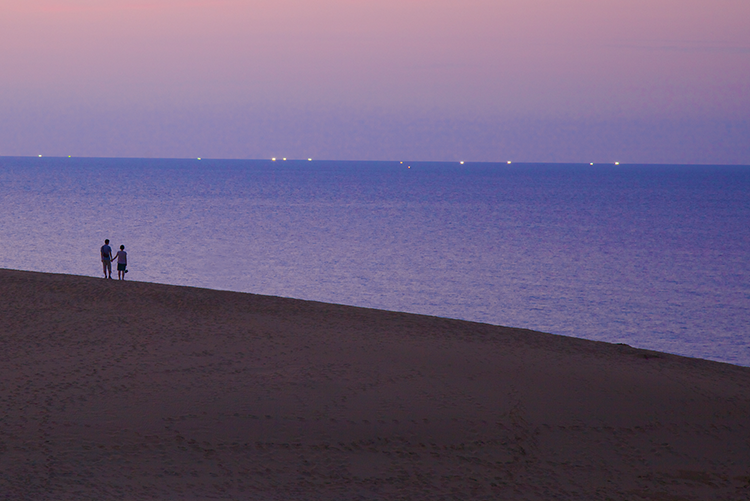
x,y
652,256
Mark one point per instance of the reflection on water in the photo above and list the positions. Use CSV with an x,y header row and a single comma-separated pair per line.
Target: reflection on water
x,y
652,256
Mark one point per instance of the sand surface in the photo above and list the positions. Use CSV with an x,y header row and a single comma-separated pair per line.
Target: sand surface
x,y
126,390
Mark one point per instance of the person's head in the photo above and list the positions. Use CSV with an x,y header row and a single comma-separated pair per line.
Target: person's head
x,y
106,241
122,247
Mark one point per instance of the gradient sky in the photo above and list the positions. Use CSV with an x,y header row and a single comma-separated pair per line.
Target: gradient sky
x,y
654,81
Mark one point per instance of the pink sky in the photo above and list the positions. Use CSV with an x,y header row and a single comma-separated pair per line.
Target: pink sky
x,y
532,80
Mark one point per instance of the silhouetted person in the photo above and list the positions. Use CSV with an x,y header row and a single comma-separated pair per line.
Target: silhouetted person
x,y
106,251
122,263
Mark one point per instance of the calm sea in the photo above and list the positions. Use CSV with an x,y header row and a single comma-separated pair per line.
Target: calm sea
x,y
652,256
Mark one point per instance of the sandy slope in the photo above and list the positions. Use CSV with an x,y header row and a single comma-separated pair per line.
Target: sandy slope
x,y
112,390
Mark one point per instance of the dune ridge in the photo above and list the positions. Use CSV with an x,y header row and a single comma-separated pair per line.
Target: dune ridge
x,y
131,390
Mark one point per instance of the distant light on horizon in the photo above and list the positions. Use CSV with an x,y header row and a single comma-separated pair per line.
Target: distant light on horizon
x,y
309,159
40,156
617,163
273,159
462,162
508,162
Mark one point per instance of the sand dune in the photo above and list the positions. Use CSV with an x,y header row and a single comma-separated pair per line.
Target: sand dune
x,y
126,390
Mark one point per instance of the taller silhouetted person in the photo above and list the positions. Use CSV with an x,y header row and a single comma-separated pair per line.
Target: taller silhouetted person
x,y
106,252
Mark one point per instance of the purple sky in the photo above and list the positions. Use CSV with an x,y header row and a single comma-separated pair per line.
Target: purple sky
x,y
663,81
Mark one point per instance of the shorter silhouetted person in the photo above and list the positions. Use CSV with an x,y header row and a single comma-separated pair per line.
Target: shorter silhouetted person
x,y
122,263
106,251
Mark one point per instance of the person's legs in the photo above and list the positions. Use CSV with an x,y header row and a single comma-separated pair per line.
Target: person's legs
x,y
107,266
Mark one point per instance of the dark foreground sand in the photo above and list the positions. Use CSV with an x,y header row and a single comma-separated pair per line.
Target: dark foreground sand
x,y
112,390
